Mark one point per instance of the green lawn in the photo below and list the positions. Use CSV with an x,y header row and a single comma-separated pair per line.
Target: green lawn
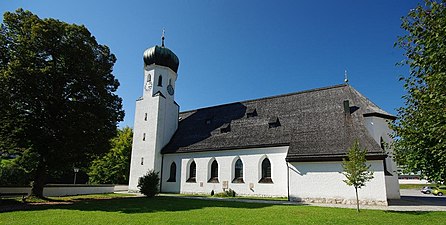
x,y
171,210
415,186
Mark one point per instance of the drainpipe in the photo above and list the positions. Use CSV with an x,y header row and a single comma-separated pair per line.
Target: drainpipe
x,y
161,172
288,180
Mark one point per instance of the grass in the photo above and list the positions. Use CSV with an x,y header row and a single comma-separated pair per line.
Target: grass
x,y
415,186
171,210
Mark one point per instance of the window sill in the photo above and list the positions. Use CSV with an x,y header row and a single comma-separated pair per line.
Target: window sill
x,y
238,181
266,180
171,181
213,180
191,180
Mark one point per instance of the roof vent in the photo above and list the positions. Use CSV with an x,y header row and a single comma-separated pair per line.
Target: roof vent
x,y
251,112
225,128
346,107
273,122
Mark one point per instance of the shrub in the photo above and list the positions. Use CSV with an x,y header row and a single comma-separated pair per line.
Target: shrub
x,y
149,184
227,193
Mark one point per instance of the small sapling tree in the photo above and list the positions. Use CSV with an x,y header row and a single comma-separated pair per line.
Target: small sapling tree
x,y
356,170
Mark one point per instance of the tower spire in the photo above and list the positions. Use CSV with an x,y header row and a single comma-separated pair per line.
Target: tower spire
x,y
162,38
345,77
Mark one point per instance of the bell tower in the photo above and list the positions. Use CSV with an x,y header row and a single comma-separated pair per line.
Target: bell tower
x,y
156,113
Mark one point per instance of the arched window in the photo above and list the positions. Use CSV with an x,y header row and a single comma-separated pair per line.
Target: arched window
x,y
173,172
160,81
214,172
170,81
238,172
192,172
266,171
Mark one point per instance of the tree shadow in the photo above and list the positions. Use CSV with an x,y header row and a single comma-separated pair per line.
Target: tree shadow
x,y
418,201
133,205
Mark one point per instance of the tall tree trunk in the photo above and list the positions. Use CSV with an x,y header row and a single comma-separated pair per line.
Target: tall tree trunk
x,y
39,179
357,199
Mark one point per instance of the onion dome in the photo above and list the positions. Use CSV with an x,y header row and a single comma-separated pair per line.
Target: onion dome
x,y
160,55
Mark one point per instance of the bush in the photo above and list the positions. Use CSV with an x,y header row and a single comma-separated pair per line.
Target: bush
x,y
149,184
227,193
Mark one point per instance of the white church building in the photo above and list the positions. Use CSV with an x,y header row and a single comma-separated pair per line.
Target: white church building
x,y
290,145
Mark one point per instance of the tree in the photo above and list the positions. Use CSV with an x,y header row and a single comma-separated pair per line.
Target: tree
x,y
420,131
114,166
57,93
356,170
149,184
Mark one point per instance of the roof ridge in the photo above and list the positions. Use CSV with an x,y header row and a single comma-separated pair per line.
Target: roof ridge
x,y
270,97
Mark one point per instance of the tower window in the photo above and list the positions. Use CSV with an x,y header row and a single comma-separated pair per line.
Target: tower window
x,y
145,116
144,136
170,81
238,172
266,171
214,172
173,172
142,160
192,173
160,81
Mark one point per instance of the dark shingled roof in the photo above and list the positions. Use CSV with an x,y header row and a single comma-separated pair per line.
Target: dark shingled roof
x,y
312,123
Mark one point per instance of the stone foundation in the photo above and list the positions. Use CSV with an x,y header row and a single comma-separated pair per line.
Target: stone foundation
x,y
339,201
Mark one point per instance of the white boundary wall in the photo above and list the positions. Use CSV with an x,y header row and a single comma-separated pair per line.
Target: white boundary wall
x,y
63,190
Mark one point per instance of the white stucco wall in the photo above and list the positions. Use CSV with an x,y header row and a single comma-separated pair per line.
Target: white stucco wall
x,y
251,158
319,180
379,128
63,190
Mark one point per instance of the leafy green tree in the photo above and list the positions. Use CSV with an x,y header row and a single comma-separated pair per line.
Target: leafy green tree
x,y
356,170
57,93
114,166
149,184
420,131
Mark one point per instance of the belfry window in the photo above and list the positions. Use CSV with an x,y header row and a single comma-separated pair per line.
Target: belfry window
x,y
192,173
238,172
173,172
160,81
214,172
266,171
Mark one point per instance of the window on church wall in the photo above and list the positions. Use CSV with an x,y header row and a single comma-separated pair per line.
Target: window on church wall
x,y
160,81
144,136
173,173
383,147
266,171
192,173
145,117
142,160
238,172
214,172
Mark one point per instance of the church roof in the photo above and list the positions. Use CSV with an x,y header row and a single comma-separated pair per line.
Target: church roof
x,y
314,124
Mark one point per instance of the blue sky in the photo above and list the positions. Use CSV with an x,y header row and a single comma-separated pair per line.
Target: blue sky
x,y
238,50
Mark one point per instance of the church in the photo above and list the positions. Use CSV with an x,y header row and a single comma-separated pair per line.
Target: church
x,y
290,145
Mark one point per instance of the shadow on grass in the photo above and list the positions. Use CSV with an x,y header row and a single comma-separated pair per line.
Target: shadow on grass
x,y
147,205
418,201
415,213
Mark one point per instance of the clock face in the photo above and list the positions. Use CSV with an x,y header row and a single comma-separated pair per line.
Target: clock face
x,y
170,89
148,86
